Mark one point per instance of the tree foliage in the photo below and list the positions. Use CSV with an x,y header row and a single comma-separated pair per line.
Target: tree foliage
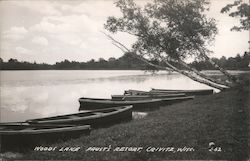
x,y
241,10
240,62
173,29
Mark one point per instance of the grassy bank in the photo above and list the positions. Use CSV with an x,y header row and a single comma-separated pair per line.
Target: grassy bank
x,y
221,118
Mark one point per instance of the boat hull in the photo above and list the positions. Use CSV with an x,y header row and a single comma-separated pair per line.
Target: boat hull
x,y
90,104
155,92
27,139
96,118
138,105
187,92
145,97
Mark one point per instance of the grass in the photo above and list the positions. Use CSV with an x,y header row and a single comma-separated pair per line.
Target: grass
x,y
221,118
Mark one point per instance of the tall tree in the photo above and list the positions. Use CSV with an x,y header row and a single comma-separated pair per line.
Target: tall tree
x,y
168,30
240,10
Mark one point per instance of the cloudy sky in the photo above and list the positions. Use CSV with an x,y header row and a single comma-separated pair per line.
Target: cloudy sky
x,y
50,31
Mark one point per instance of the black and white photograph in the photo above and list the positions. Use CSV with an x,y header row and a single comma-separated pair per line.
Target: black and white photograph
x,y
124,80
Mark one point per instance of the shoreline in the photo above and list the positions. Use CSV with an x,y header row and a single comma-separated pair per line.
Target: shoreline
x,y
221,120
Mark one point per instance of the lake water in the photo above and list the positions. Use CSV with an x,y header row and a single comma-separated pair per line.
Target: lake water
x,y
31,94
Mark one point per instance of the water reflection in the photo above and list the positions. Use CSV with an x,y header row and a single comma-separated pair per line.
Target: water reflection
x,y
31,94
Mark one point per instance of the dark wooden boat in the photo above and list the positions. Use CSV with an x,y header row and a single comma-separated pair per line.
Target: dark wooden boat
x,y
148,93
187,92
90,103
136,92
143,97
24,137
166,91
95,103
27,124
95,118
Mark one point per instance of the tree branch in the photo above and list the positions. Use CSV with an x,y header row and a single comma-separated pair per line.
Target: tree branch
x,y
124,49
171,67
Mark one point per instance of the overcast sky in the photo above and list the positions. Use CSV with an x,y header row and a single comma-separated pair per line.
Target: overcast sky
x,y
50,31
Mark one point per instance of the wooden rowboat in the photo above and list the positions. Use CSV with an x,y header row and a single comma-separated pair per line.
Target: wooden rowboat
x,y
149,93
143,97
136,92
90,103
27,124
24,137
187,92
95,118
95,103
166,91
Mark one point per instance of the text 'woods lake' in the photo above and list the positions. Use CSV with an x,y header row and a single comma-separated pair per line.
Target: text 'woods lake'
x,y
32,94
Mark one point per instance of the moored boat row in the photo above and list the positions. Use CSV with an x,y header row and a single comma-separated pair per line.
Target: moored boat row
x,y
142,99
149,103
94,113
15,135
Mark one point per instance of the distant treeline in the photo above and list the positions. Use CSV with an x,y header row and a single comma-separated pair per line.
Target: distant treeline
x,y
123,63
232,63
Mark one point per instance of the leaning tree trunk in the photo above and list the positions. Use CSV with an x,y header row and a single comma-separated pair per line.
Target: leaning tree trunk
x,y
209,83
203,75
151,64
204,81
229,76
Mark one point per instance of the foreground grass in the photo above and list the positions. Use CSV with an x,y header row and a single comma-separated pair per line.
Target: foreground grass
x,y
221,118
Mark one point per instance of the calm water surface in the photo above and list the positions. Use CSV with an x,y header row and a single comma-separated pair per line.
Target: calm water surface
x,y
31,94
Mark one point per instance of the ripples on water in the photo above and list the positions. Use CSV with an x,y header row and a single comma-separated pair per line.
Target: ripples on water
x,y
31,94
